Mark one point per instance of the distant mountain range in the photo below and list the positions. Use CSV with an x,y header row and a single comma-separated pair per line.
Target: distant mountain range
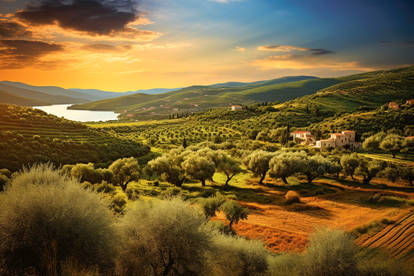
x,y
198,98
28,95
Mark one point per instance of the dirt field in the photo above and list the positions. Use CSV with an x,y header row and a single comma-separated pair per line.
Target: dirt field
x,y
287,227
397,239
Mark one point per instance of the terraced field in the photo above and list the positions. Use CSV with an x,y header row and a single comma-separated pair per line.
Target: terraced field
x,y
30,136
397,239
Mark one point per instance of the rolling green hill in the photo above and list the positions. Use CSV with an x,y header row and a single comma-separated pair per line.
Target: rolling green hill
x,y
29,135
370,122
358,102
336,107
197,98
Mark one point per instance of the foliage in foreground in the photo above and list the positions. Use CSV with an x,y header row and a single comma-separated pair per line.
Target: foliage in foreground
x,y
48,220
50,225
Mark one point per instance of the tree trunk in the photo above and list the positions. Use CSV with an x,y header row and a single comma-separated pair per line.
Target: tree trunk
x,y
229,178
262,178
203,182
284,180
231,225
393,155
309,177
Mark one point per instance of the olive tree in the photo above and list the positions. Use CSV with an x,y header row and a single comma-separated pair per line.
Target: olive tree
x,y
212,204
199,167
85,172
369,169
373,142
234,212
285,164
227,165
48,220
169,166
258,163
350,163
124,171
317,166
392,143
407,173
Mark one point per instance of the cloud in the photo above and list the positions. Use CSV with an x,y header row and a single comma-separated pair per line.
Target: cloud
x,y
16,54
240,49
106,48
281,48
291,48
319,52
307,61
94,17
296,57
13,29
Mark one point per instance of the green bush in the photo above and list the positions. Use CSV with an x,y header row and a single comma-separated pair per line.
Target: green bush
x,y
163,238
238,256
48,220
330,253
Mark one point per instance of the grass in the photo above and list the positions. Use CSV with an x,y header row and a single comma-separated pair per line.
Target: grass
x,y
399,158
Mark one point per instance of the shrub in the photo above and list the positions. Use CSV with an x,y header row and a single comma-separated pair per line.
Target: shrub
x,y
132,193
331,252
104,187
48,220
285,265
119,202
292,197
170,193
163,238
383,264
3,181
238,256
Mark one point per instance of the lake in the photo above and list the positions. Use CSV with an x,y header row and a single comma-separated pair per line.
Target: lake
x,y
61,110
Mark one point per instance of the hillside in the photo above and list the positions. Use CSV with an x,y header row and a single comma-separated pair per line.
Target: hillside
x,y
370,122
198,98
55,95
29,136
8,98
23,96
363,92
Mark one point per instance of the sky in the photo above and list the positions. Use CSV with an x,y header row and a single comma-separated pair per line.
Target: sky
x,y
122,45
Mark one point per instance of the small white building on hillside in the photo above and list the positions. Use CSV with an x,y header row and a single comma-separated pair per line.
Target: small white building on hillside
x,y
236,107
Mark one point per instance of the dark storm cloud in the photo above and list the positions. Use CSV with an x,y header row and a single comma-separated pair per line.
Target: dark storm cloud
x,y
99,17
11,29
20,53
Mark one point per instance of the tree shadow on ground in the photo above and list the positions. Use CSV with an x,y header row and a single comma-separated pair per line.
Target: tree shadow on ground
x,y
310,210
